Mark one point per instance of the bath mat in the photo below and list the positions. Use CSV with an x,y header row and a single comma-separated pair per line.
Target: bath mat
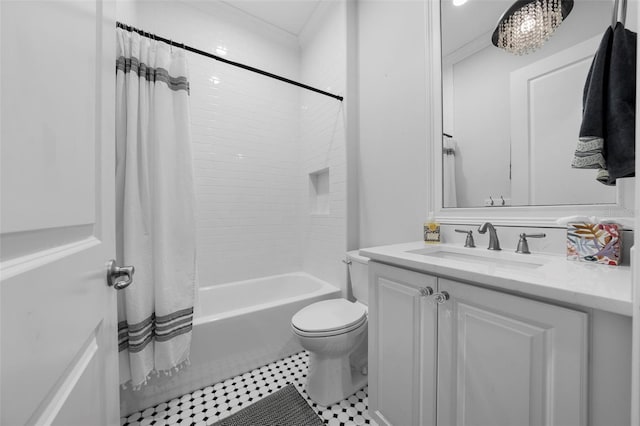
x,y
285,407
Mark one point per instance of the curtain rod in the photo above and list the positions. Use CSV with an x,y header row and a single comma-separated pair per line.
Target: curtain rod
x,y
226,61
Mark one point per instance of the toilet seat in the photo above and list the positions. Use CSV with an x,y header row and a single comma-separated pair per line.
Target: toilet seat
x,y
329,318
328,333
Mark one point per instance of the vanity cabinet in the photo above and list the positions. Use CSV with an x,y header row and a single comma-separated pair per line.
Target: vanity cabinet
x,y
497,359
402,346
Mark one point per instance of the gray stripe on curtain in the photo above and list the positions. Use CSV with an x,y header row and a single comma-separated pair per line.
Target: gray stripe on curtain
x,y
135,337
164,328
174,315
151,74
169,336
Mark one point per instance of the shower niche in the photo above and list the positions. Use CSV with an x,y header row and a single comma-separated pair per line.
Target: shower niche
x,y
319,192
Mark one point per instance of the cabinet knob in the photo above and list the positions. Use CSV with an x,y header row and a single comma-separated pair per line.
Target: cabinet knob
x,y
441,297
426,291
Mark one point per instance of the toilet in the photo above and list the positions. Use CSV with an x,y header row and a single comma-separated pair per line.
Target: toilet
x,y
334,332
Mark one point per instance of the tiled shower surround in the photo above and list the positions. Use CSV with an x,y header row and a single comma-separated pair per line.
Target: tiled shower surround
x,y
256,140
215,402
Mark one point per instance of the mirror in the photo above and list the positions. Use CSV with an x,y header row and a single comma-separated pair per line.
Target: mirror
x,y
513,121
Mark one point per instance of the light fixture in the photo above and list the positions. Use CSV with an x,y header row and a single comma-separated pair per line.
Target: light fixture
x,y
459,2
527,24
221,50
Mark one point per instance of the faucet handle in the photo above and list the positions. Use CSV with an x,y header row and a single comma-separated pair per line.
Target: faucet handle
x,y
469,241
540,235
523,245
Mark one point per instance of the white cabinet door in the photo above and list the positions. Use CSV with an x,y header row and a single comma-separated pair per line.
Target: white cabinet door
x,y
402,347
505,360
58,316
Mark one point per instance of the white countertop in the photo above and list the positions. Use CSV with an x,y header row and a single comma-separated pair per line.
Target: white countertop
x,y
545,275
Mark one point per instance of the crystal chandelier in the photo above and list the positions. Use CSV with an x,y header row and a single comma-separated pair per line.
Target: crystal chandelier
x,y
527,24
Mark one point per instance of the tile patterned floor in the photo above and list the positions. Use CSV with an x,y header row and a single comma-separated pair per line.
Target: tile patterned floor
x,y
208,405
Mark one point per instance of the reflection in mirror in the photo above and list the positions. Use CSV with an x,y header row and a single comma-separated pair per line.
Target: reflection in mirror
x,y
512,122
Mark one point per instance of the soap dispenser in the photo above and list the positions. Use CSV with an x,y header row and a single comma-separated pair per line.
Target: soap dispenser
x,y
431,230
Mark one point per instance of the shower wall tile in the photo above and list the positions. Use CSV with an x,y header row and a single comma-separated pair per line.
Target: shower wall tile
x,y
323,140
245,132
256,140
246,160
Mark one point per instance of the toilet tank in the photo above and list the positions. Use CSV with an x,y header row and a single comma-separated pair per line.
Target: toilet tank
x,y
359,274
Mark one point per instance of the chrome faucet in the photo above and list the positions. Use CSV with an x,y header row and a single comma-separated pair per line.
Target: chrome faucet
x,y
494,244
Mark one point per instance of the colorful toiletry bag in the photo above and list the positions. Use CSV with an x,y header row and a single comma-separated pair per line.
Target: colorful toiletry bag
x,y
594,242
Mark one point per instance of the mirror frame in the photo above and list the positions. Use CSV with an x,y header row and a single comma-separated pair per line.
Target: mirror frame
x,y
528,216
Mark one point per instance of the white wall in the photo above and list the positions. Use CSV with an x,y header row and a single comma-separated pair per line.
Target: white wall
x,y
352,106
323,139
481,127
393,163
245,130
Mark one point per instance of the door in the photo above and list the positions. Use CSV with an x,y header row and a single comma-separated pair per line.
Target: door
x,y
402,350
545,127
58,316
504,360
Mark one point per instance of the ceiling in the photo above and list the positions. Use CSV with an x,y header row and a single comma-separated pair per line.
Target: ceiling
x,y
458,28
474,19
288,15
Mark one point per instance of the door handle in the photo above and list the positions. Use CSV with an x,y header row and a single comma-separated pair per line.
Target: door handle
x,y
119,277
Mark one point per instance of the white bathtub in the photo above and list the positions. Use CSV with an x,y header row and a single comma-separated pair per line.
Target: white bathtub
x,y
237,327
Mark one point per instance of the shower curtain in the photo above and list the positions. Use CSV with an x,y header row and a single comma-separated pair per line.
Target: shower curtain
x,y
449,172
155,207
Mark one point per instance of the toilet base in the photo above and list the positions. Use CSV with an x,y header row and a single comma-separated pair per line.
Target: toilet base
x,y
332,379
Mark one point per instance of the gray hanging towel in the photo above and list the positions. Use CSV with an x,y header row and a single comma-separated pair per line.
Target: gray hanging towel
x,y
607,134
590,149
619,142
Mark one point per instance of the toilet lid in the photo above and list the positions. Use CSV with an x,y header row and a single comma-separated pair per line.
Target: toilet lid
x,y
328,315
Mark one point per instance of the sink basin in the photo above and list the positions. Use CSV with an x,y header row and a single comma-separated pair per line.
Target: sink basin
x,y
488,258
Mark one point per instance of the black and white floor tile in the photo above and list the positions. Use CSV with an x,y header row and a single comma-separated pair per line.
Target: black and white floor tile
x,y
206,406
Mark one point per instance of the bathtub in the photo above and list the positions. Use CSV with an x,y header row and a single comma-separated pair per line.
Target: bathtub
x,y
238,326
